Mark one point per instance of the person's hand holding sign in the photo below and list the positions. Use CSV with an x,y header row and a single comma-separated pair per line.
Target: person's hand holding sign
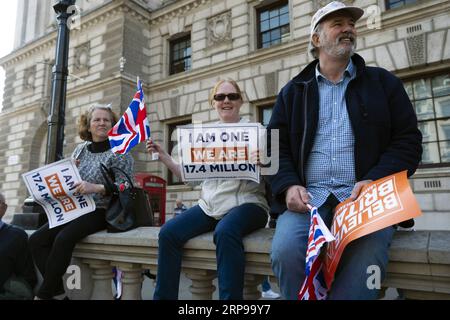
x,y
84,187
254,157
257,156
357,189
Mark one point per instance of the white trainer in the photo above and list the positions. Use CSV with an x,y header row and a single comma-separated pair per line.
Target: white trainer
x,y
270,294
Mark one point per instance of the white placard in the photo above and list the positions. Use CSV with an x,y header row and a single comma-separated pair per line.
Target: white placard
x,y
218,151
52,186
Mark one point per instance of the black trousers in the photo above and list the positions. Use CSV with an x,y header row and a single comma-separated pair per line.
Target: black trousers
x,y
52,249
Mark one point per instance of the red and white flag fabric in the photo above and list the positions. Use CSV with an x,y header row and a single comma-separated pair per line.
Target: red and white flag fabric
x,y
314,287
133,127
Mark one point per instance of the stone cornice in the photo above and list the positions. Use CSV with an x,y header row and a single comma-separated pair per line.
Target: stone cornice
x,y
175,10
95,85
254,58
91,18
413,14
26,109
389,20
103,83
423,71
30,49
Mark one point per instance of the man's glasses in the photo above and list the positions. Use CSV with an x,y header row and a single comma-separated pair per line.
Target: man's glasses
x,y
231,96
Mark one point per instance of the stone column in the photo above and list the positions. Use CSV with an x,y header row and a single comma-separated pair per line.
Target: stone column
x,y
78,289
30,31
101,278
382,293
202,287
251,282
131,280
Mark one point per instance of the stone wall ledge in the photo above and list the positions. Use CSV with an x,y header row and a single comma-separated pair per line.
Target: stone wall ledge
x,y
419,262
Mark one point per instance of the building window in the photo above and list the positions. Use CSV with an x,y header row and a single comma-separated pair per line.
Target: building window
x,y
273,24
431,100
173,149
392,4
264,114
180,55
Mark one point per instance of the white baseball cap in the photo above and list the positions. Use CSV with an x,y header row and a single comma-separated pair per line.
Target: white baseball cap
x,y
333,7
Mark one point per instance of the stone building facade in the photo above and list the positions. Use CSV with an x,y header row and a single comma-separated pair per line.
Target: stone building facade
x,y
260,43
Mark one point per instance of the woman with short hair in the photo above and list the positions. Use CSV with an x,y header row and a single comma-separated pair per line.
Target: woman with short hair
x,y
52,248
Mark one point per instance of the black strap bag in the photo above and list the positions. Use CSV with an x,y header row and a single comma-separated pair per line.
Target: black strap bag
x,y
129,207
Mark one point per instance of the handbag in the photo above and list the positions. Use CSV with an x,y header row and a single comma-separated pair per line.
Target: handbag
x,y
129,207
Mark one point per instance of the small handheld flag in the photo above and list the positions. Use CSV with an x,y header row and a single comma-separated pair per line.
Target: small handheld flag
x,y
133,127
314,287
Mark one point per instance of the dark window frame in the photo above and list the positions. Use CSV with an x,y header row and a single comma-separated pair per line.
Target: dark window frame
x,y
172,61
264,106
429,77
269,104
269,7
395,4
170,145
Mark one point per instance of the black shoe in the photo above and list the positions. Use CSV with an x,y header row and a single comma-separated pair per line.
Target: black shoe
x,y
149,275
407,224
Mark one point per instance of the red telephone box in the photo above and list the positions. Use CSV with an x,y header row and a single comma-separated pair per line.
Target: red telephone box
x,y
156,188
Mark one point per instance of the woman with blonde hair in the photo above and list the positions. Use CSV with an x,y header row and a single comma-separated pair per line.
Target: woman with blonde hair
x,y
230,208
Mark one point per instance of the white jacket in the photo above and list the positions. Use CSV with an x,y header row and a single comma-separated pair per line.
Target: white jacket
x,y
220,196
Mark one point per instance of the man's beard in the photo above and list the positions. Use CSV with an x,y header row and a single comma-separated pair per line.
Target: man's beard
x,y
333,48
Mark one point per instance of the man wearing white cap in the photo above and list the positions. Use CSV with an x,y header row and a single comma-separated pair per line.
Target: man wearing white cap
x,y
342,124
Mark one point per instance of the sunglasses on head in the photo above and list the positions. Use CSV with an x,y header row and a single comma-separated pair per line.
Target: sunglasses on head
x,y
231,96
100,106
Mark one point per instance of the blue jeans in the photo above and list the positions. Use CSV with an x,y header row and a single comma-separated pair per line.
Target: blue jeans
x,y
228,234
289,250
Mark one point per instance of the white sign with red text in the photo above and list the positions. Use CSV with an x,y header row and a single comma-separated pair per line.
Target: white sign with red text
x,y
52,186
218,151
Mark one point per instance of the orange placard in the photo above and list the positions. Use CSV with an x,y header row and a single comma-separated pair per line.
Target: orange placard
x,y
380,204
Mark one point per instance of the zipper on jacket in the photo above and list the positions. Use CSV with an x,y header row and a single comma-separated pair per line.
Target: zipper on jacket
x,y
364,114
305,127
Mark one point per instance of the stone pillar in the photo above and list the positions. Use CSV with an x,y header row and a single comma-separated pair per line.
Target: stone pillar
x,y
101,278
251,282
382,293
202,287
21,25
84,291
30,31
131,280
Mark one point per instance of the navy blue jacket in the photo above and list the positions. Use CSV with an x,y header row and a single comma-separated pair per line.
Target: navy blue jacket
x,y
15,256
384,124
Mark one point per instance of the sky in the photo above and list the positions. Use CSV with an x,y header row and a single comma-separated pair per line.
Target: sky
x,y
8,10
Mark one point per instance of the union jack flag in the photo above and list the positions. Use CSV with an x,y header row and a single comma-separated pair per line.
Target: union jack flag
x,y
314,287
117,279
132,128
